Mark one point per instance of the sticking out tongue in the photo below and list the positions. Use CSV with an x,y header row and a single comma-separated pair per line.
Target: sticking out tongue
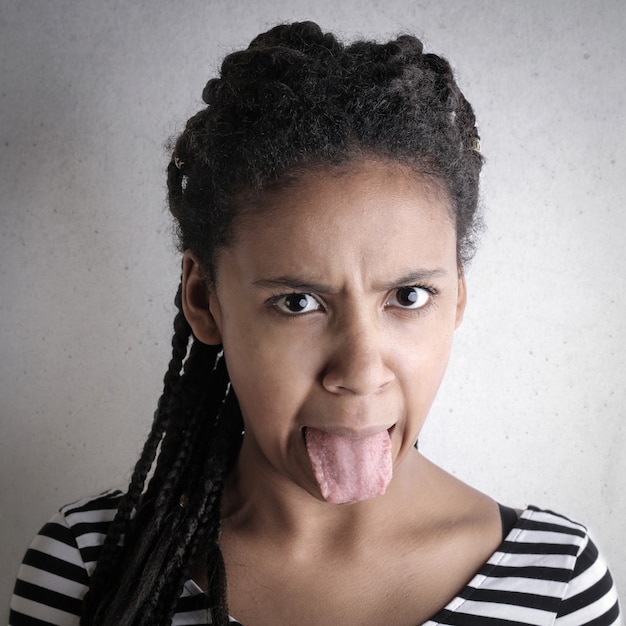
x,y
349,469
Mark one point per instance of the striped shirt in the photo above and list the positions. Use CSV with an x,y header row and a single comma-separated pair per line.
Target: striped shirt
x,y
547,571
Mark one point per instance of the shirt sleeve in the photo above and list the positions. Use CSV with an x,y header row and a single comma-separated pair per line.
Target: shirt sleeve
x,y
591,597
51,580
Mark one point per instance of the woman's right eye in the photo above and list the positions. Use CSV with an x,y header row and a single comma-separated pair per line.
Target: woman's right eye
x,y
296,303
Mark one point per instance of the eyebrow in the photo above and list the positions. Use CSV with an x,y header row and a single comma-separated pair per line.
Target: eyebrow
x,y
412,278
294,283
300,284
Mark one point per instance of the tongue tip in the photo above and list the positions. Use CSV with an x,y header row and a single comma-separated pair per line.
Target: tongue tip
x,y
339,497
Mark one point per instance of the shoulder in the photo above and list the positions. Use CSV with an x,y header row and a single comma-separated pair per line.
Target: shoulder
x,y
91,505
88,521
54,574
543,528
560,566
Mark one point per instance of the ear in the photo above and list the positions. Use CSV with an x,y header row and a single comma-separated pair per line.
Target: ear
x,y
200,304
461,299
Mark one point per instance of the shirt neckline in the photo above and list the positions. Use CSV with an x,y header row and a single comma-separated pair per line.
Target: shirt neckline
x,y
473,584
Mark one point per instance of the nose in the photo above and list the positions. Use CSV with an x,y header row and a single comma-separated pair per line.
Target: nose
x,y
358,360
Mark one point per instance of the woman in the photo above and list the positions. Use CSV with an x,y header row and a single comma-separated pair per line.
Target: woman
x,y
326,201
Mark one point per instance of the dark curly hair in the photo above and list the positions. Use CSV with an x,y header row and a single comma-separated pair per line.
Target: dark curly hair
x,y
294,100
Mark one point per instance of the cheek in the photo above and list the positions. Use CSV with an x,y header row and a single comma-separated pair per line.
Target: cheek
x,y
441,358
256,346
423,368
269,382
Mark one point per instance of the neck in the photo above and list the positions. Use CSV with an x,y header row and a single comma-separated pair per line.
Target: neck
x,y
258,499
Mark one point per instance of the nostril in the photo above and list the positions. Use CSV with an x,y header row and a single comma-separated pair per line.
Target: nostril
x,y
357,377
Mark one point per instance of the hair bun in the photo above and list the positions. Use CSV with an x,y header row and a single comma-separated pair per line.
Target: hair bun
x,y
298,35
210,91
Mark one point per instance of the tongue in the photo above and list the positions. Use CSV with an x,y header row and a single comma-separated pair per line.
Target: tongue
x,y
349,469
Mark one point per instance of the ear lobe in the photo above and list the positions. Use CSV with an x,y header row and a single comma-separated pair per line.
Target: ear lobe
x,y
461,299
200,308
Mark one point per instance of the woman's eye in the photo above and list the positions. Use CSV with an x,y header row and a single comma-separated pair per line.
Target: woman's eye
x,y
409,298
295,303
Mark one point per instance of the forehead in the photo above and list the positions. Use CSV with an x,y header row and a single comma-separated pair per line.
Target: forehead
x,y
347,214
369,178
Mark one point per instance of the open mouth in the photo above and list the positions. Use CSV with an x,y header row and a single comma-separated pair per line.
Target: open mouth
x,y
346,433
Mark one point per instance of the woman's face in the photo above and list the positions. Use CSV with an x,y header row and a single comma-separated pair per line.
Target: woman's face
x,y
336,306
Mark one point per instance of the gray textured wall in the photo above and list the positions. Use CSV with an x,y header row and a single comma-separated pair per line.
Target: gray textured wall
x,y
532,408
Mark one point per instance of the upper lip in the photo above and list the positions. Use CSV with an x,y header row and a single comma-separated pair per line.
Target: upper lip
x,y
352,433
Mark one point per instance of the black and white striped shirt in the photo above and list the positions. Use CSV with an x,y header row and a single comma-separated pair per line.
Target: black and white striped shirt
x,y
546,572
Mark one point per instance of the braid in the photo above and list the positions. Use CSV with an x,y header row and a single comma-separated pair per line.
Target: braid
x,y
198,523
204,525
110,554
134,584
467,165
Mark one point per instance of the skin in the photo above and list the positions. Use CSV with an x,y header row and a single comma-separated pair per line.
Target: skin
x,y
353,355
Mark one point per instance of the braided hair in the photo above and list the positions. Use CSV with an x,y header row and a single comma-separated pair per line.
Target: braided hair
x,y
294,100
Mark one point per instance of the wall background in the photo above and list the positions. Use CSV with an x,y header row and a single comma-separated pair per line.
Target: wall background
x,y
532,408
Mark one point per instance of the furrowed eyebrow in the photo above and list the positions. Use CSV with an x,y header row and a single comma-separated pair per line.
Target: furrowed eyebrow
x,y
412,278
293,283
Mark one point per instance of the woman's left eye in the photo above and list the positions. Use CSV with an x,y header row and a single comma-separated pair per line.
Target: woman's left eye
x,y
296,303
409,298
